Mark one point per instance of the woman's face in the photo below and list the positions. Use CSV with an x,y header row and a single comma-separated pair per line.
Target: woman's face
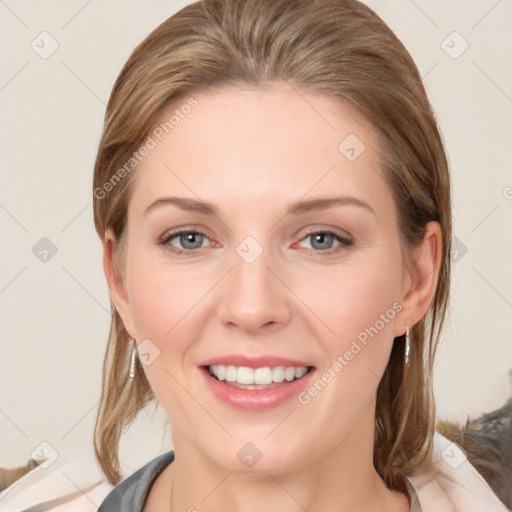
x,y
276,278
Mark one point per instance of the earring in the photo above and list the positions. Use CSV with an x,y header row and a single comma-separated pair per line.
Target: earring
x,y
133,361
407,347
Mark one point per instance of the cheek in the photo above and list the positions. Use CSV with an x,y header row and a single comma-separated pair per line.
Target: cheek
x,y
351,298
154,304
162,297
169,306
165,302
359,303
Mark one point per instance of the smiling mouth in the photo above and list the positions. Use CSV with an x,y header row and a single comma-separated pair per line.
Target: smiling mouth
x,y
266,377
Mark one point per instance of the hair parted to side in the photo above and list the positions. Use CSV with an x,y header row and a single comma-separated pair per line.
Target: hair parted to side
x,y
342,49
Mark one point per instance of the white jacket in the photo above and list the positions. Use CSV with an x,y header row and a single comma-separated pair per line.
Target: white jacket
x,y
454,485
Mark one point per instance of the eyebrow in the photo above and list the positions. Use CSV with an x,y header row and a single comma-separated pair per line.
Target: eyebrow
x,y
205,208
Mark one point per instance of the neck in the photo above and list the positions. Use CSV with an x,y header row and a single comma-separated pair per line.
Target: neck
x,y
342,480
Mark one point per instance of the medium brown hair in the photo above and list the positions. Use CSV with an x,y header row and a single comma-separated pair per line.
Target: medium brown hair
x,y
339,48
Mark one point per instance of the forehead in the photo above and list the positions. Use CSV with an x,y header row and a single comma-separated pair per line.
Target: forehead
x,y
253,146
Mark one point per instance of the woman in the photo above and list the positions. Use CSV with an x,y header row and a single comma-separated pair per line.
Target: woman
x,y
273,198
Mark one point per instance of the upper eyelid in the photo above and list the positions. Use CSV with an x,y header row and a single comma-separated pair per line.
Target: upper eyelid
x,y
344,240
192,229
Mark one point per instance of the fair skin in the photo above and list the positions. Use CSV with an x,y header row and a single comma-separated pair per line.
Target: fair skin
x,y
252,153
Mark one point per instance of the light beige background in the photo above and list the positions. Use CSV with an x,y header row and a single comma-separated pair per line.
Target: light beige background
x,y
54,315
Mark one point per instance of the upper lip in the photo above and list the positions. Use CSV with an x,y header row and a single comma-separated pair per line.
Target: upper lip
x,y
254,362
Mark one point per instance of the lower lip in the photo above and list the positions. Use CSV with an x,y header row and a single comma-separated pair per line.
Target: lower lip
x,y
256,399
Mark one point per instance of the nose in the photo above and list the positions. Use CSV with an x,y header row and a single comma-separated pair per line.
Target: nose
x,y
254,298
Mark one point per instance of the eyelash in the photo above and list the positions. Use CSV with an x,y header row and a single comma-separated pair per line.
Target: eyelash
x,y
165,239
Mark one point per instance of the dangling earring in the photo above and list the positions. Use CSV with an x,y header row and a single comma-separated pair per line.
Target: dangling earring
x,y
407,347
133,361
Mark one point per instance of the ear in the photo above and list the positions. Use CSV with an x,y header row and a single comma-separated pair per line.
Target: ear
x,y
116,282
420,280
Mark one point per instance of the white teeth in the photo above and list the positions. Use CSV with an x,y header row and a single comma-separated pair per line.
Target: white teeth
x,y
289,374
245,375
278,374
262,375
265,375
231,373
221,372
300,372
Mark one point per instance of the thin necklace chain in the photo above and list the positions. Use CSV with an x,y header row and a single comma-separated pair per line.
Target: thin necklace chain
x,y
172,488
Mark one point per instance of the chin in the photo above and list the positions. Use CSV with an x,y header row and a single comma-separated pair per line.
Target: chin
x,y
258,457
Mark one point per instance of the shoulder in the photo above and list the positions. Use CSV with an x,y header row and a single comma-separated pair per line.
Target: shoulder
x,y
453,484
131,493
71,480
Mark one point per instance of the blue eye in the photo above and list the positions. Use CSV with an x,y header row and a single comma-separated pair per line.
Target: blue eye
x,y
189,240
324,240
